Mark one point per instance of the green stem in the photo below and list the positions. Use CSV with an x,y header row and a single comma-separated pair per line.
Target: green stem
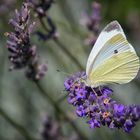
x,y
60,111
57,41
17,126
133,136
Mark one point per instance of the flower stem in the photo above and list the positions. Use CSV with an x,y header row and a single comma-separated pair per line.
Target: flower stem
x,y
68,53
133,136
60,111
17,126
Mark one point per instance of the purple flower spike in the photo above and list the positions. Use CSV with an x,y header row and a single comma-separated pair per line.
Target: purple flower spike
x,y
92,22
22,53
97,105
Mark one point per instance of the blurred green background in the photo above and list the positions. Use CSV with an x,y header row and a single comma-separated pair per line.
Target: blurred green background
x,y
21,99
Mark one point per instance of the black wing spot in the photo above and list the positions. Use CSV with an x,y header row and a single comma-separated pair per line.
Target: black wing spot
x,y
115,51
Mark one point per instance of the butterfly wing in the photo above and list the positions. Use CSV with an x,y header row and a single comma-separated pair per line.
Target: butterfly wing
x,y
108,32
111,67
120,68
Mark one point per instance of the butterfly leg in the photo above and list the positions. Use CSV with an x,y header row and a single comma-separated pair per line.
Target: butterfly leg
x,y
100,89
94,91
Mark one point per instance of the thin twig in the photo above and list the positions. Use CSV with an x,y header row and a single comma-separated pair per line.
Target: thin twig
x,y
60,111
17,126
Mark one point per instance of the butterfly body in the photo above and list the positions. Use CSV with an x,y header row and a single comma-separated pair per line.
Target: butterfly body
x,y
112,59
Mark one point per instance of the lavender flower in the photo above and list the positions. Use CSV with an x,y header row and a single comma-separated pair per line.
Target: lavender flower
x,y
41,8
51,32
97,105
22,53
51,129
95,18
92,23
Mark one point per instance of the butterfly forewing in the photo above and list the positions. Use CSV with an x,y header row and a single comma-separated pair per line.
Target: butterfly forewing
x,y
108,32
117,44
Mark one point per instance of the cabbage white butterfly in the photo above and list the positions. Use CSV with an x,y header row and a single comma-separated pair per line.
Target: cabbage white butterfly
x,y
112,59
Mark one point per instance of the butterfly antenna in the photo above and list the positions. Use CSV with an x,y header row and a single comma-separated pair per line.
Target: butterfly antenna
x,y
64,72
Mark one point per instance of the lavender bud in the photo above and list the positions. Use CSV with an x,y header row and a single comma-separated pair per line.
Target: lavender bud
x,y
51,129
40,7
92,22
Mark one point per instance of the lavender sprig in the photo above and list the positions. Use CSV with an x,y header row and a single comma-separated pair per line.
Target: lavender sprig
x,y
41,6
51,32
97,105
92,22
51,129
22,53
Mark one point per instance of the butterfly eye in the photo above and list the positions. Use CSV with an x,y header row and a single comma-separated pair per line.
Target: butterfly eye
x,y
115,51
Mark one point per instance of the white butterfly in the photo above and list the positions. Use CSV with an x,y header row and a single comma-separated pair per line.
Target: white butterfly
x,y
112,59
